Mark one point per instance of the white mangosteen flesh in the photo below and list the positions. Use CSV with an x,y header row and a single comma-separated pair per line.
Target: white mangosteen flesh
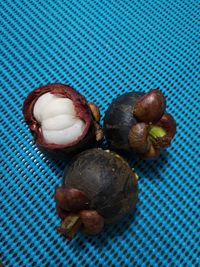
x,y
58,119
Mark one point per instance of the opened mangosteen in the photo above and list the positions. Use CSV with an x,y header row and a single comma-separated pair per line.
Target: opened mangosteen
x,y
99,187
61,120
137,122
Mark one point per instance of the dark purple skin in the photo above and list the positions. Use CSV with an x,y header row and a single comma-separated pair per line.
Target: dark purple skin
x,y
119,119
130,117
97,184
88,138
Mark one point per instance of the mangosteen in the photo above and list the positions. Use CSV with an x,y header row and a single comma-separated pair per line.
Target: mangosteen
x,y
61,120
99,187
137,122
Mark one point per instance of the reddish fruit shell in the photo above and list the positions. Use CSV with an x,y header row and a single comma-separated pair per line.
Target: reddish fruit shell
x,y
82,109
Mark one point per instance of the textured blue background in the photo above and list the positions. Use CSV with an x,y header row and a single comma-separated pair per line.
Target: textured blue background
x,y
101,48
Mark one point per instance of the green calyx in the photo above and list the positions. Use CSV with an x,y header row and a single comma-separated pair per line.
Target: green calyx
x,y
156,132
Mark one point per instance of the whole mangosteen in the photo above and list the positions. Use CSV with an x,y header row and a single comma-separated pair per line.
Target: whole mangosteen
x,y
137,122
99,187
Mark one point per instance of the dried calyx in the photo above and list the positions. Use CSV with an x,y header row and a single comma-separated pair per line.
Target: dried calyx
x,y
155,128
72,207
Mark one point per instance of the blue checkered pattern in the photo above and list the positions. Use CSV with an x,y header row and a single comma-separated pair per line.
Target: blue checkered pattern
x,y
102,49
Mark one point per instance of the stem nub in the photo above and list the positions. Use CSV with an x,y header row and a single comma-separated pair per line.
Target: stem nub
x,y
156,132
69,226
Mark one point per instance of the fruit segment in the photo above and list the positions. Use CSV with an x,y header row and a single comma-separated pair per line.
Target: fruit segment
x,y
57,116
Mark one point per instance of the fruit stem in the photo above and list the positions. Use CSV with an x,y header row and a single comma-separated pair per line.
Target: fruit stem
x,y
69,226
156,132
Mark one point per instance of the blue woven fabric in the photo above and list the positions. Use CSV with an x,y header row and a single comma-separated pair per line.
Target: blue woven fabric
x,y
102,49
